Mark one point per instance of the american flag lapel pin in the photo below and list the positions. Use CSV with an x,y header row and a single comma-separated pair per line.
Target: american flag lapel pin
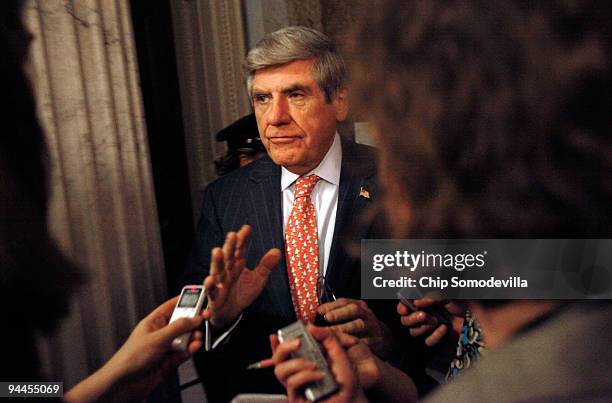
x,y
364,193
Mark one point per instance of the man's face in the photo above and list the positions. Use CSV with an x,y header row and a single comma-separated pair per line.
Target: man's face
x,y
295,123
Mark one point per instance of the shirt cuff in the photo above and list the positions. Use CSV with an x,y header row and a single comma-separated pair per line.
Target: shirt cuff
x,y
210,341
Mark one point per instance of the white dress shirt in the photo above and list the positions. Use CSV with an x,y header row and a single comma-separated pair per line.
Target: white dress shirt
x,y
324,197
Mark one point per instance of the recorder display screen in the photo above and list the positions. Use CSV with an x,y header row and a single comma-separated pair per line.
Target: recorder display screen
x,y
190,297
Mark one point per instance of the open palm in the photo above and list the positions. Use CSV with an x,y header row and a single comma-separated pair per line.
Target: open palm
x,y
230,285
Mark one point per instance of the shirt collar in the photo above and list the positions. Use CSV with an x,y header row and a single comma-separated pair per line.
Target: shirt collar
x,y
328,169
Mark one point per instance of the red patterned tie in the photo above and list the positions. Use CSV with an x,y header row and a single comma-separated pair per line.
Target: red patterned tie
x,y
301,245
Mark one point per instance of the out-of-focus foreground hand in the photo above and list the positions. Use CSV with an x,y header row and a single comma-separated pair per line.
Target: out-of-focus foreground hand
x,y
365,362
354,317
141,362
230,285
424,323
379,379
296,373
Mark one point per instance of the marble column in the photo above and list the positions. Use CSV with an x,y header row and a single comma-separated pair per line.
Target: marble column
x,y
103,211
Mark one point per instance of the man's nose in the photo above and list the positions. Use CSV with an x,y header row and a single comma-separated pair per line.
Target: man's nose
x,y
278,113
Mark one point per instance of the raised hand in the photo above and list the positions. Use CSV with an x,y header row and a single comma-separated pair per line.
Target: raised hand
x,y
230,285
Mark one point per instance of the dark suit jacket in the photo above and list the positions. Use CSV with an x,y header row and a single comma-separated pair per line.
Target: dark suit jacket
x,y
252,195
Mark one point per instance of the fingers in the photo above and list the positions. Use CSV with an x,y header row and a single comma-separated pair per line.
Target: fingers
x,y
234,255
339,360
164,310
212,292
321,333
177,328
234,251
295,374
228,262
421,323
268,262
334,348
274,342
224,267
318,332
286,367
284,350
354,327
174,359
216,268
195,344
418,319
206,314
242,238
347,340
229,253
224,270
158,318
323,309
425,302
343,313
212,282
344,309
356,314
403,310
436,336
370,341
299,380
421,330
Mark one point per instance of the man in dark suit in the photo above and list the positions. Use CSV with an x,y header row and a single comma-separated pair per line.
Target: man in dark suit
x,y
296,82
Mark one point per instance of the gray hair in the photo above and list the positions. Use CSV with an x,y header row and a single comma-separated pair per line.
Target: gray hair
x,y
299,43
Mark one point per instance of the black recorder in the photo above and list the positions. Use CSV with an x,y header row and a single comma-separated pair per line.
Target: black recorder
x,y
310,350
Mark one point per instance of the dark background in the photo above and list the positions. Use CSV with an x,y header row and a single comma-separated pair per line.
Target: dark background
x,y
152,22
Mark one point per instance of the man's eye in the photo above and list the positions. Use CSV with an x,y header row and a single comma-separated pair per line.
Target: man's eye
x,y
296,95
261,99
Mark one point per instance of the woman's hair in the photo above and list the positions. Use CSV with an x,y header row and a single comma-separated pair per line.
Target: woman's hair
x,y
494,116
36,280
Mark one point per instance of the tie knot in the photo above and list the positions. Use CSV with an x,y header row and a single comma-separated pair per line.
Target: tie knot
x,y
304,185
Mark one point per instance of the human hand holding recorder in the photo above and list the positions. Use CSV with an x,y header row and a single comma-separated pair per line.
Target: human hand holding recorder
x,y
297,373
352,363
142,361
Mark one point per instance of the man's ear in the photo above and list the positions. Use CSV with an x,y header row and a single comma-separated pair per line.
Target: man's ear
x,y
341,104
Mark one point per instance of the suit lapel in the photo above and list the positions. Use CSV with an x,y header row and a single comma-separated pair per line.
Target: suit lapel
x,y
356,174
265,199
